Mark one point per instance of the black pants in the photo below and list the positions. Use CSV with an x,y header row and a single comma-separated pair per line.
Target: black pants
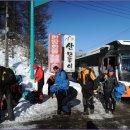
x,y
109,101
60,97
40,85
87,98
8,94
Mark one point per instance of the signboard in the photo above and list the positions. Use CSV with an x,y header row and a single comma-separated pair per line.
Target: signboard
x,y
40,2
54,53
69,53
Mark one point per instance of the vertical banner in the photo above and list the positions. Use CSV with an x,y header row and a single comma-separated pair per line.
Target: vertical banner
x,y
54,53
69,53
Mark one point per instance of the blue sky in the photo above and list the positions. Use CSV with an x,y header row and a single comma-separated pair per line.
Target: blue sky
x,y
94,23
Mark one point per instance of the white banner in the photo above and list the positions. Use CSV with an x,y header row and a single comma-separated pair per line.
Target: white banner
x,y
69,53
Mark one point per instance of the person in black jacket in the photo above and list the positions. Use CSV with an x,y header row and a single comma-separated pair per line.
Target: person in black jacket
x,y
7,79
110,81
87,81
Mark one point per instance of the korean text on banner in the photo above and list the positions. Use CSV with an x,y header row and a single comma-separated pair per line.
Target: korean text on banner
x,y
54,55
69,53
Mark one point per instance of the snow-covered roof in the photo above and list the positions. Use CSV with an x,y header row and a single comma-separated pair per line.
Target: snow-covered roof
x,y
97,50
124,42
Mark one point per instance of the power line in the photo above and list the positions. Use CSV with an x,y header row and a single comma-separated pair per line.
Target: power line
x,y
127,29
102,43
126,7
118,10
97,10
104,10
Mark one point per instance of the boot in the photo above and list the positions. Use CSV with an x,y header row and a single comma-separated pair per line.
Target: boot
x,y
91,110
112,111
67,113
85,108
58,112
87,111
107,110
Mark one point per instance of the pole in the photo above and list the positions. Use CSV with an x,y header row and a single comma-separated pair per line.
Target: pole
x,y
6,39
32,39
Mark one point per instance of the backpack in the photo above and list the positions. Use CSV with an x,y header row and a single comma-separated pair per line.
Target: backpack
x,y
34,97
90,82
65,73
118,91
8,77
72,92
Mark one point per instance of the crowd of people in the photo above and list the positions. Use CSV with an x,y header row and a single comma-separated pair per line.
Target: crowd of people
x,y
58,86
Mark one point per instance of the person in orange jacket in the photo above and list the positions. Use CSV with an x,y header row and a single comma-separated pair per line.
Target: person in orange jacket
x,y
39,77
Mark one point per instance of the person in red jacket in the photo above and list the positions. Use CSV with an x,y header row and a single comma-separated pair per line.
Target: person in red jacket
x,y
39,77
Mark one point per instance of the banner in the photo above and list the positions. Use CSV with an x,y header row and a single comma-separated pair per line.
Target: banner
x,y
54,53
69,53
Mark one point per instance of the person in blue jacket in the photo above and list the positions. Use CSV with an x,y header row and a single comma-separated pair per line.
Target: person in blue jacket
x,y
60,89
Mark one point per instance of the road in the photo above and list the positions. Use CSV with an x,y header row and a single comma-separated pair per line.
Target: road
x,y
119,120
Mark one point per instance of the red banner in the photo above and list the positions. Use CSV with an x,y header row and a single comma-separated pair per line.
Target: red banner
x,y
54,55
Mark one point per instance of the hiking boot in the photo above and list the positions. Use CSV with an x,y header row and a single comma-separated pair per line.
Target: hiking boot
x,y
10,118
67,113
107,110
85,109
58,112
91,111
112,111
86,112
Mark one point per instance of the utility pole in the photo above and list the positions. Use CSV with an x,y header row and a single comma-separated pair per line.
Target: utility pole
x,y
6,39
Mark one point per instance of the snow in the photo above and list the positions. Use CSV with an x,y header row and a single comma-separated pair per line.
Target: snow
x,y
25,112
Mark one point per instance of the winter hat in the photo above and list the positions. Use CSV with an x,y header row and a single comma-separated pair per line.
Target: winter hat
x,y
35,66
110,69
83,65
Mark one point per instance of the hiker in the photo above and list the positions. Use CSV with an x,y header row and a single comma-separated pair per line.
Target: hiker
x,y
39,78
50,82
7,79
60,88
32,96
110,81
87,81
70,95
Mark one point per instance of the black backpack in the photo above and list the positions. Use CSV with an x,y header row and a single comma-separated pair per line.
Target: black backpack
x,y
8,77
90,82
33,97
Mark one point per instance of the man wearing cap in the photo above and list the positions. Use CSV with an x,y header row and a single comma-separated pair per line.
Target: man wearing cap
x,y
109,84
87,81
7,79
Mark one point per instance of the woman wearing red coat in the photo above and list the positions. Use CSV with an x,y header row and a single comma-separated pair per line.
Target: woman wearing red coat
x,y
39,77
